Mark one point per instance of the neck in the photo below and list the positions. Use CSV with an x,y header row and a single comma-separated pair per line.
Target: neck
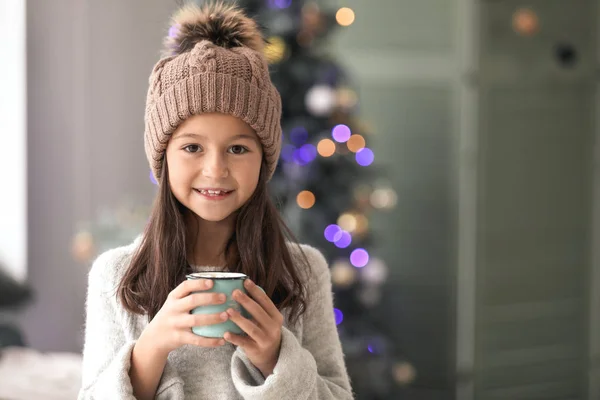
x,y
208,240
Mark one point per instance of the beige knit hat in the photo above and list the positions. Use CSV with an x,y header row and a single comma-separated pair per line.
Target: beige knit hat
x,y
214,63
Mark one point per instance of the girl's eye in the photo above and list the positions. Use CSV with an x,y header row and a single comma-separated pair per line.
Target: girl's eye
x,y
192,148
237,149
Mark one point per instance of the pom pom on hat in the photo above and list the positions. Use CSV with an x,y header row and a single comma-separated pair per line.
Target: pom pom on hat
x,y
225,25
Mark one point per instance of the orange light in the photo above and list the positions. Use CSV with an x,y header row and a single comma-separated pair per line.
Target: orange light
x,y
345,16
355,143
326,147
305,199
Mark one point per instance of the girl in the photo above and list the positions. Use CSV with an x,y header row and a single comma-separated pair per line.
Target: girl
x,y
212,137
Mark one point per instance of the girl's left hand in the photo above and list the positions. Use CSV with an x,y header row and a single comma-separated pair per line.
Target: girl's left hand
x,y
264,331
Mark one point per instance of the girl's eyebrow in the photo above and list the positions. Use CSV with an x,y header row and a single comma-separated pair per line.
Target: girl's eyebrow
x,y
197,136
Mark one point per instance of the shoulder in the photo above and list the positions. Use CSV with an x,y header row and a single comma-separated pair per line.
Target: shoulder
x,y
110,266
313,260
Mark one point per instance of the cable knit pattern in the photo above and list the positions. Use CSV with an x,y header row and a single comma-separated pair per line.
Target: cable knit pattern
x,y
207,79
310,365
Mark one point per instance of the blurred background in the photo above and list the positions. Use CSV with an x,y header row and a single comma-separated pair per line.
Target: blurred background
x,y
441,153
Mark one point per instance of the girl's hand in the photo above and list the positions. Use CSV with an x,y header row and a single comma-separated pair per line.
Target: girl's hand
x,y
264,331
171,328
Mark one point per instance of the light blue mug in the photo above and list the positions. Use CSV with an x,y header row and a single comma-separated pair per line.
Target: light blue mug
x,y
226,283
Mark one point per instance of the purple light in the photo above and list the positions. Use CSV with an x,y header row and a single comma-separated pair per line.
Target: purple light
x,y
298,159
365,156
341,133
333,233
299,135
287,153
344,241
370,348
152,178
359,258
339,316
280,3
307,153
174,30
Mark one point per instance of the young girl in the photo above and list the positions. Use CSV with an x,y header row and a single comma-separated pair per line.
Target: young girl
x,y
212,137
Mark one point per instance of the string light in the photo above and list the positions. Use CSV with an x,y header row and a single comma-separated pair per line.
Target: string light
x,y
341,133
333,233
365,157
347,222
305,199
342,273
339,316
525,22
359,258
275,50
344,241
345,16
355,143
152,178
326,147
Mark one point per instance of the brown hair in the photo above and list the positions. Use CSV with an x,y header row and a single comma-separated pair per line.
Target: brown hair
x,y
257,248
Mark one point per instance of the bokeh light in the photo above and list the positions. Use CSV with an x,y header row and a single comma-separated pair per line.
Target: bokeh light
x,y
339,316
275,50
347,222
307,153
174,30
305,199
355,143
333,233
344,241
375,272
287,152
342,273
359,258
525,22
298,135
341,133
320,100
346,98
326,147
345,16
404,373
383,198
280,3
152,178
365,157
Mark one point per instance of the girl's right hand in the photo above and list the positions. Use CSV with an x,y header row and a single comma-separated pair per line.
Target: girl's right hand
x,y
171,328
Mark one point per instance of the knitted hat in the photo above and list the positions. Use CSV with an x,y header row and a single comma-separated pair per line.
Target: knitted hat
x,y
213,63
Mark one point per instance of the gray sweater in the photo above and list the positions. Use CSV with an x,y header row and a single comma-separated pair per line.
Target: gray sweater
x,y
310,365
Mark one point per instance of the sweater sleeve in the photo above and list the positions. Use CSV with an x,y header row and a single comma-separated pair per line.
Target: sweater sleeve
x,y
107,348
311,370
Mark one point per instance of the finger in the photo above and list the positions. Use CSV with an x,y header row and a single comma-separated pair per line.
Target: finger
x,y
195,340
238,340
188,321
199,299
262,299
257,312
190,285
247,326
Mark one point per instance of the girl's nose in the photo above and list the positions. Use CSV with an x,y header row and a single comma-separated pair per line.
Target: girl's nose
x,y
215,166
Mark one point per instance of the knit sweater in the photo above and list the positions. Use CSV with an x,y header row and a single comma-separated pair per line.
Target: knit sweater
x,y
310,364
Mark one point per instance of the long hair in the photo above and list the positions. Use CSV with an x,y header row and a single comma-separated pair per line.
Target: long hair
x,y
259,248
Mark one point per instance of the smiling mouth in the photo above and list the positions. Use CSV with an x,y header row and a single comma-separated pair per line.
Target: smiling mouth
x,y
213,193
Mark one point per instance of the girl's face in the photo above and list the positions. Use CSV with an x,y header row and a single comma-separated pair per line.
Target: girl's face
x,y
214,164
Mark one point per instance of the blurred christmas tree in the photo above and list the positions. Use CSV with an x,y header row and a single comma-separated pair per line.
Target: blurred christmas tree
x,y
326,185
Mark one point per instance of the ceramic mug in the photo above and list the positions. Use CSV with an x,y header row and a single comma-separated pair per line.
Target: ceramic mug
x,y
226,283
